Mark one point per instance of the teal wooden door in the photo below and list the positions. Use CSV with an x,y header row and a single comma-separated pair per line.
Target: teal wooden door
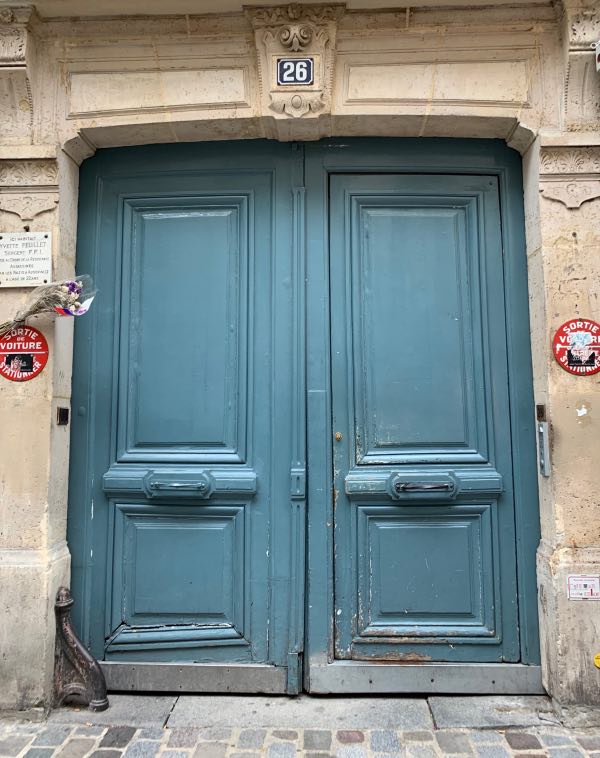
x,y
425,560
377,333
181,513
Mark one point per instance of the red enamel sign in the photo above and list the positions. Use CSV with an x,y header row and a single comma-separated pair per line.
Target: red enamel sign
x,y
23,353
576,346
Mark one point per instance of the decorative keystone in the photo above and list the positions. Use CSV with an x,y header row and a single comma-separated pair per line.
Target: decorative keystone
x,y
295,31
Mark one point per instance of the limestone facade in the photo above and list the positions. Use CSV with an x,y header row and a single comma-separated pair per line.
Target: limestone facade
x,y
524,73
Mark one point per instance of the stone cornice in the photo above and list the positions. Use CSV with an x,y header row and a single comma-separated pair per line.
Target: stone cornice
x,y
282,16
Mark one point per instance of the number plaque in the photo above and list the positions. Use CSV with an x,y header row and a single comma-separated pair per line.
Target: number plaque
x,y
295,71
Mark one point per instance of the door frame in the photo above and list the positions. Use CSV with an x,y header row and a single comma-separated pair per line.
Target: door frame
x,y
322,673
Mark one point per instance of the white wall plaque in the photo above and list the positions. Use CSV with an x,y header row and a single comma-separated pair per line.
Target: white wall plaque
x,y
583,587
25,259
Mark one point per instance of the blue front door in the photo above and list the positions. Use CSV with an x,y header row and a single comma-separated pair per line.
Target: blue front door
x,y
424,518
356,304
182,454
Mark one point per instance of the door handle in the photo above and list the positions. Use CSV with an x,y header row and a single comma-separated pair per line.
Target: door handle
x,y
423,486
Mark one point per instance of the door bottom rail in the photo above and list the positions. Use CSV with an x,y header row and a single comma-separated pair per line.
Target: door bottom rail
x,y
354,677
339,678
243,678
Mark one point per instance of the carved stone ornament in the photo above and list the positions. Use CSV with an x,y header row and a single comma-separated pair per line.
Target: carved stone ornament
x,y
295,36
297,104
295,30
13,34
571,193
581,88
28,173
27,207
570,176
16,104
18,14
584,28
570,160
12,45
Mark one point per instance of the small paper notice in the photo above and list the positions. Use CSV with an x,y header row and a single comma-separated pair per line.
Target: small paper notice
x,y
25,259
583,587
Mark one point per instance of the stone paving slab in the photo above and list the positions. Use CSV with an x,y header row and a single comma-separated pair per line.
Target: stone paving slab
x,y
304,712
126,710
19,740
267,727
491,711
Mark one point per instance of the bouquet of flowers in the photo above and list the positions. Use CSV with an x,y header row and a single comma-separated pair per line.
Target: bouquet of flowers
x,y
71,297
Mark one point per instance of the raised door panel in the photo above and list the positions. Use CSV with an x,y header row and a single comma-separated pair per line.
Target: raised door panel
x,y
427,571
178,579
408,248
185,330
416,329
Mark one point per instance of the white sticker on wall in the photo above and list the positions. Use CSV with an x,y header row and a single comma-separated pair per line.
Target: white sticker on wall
x,y
583,587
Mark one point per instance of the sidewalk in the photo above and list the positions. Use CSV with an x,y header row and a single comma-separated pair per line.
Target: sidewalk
x,y
141,726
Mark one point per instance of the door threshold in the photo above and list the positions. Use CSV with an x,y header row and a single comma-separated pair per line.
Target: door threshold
x,y
347,677
240,678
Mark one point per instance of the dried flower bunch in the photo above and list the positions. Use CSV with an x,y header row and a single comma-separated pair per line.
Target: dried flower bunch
x,y
71,297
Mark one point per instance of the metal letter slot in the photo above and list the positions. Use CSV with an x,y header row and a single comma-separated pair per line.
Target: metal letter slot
x,y
419,486
199,484
423,487
192,486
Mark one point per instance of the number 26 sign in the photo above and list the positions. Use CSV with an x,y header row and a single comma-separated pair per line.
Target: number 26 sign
x,y
295,71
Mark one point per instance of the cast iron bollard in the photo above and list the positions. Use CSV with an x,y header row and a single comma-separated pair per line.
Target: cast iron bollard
x,y
77,673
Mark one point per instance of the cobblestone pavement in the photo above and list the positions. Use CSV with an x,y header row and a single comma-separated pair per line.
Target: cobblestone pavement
x,y
73,738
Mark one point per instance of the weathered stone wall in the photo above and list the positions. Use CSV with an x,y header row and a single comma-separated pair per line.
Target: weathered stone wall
x,y
569,252
521,73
